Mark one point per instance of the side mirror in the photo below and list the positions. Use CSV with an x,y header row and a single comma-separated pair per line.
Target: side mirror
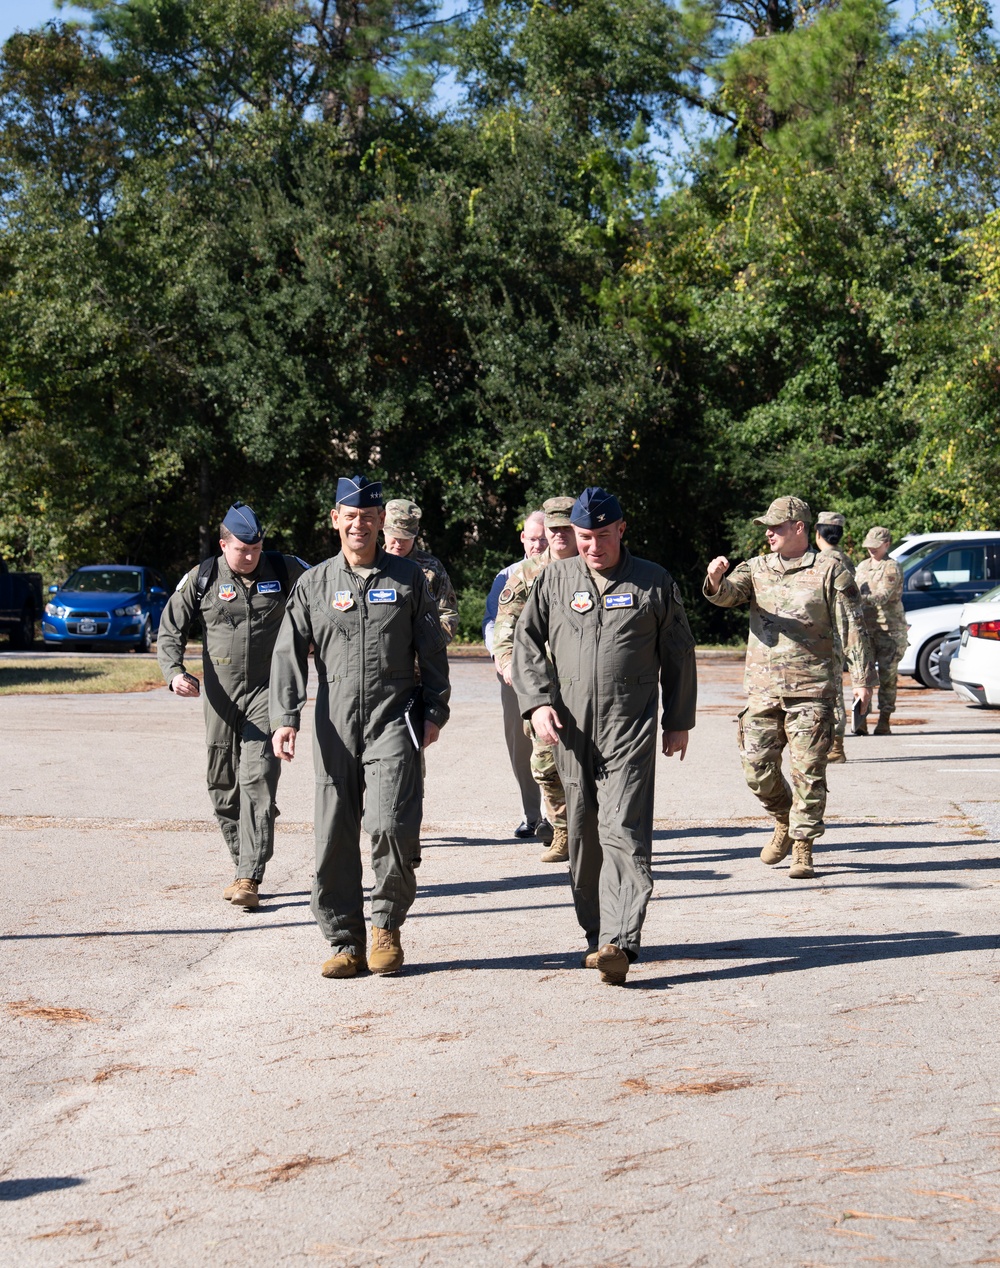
x,y
923,580
53,589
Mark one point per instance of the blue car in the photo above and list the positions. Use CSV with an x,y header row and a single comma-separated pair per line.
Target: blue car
x,y
109,604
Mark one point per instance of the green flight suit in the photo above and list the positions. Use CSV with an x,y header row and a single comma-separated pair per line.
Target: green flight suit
x,y
241,624
611,654
371,635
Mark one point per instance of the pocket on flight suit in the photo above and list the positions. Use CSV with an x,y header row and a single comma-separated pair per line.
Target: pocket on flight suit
x,y
221,766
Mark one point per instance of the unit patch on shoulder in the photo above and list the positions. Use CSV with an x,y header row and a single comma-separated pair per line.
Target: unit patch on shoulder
x,y
506,594
677,594
227,592
381,596
342,600
583,601
269,587
619,600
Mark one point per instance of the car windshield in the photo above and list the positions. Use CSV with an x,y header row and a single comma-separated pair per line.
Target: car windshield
x,y
991,596
921,552
105,581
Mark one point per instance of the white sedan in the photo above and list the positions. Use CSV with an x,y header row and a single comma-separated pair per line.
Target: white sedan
x,y
975,669
927,629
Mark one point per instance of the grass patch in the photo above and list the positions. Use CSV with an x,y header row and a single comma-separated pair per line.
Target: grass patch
x,y
81,675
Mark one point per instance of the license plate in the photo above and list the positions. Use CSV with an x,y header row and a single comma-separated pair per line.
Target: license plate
x,y
88,627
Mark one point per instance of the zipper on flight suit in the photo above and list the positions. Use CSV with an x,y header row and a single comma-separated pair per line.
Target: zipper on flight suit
x,y
363,617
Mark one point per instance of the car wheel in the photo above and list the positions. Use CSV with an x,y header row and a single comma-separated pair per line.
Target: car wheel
x,y
929,664
145,643
22,636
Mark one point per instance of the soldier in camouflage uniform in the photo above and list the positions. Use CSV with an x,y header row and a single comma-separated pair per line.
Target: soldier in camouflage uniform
x,y
880,581
829,531
513,597
798,598
402,526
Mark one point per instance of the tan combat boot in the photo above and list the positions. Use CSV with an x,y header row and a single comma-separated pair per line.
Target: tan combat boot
x,y
836,753
558,851
589,961
245,895
230,890
802,861
613,964
778,846
882,726
386,955
343,964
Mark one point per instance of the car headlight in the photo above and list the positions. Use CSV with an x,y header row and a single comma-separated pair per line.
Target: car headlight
x,y
133,609
53,609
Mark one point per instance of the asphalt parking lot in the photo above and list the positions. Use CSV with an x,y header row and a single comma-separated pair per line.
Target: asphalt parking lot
x,y
797,1073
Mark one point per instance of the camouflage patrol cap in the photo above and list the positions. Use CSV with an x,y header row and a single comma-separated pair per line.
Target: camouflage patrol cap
x,y
402,518
782,510
877,536
833,518
557,512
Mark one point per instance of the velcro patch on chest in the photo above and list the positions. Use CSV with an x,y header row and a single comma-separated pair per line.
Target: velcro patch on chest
x,y
583,601
381,596
619,601
269,587
506,594
227,592
342,600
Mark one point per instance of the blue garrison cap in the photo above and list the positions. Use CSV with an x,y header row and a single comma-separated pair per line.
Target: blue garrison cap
x,y
595,508
358,491
243,524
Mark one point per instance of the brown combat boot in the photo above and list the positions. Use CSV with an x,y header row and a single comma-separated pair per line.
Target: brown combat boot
x,y
836,753
245,894
802,861
613,964
558,851
882,726
778,846
230,890
386,955
343,964
589,961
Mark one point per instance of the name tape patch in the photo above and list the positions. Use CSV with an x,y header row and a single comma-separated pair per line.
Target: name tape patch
x,y
268,587
381,596
619,600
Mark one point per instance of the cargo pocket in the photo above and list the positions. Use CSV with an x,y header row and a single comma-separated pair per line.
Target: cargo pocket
x,y
221,766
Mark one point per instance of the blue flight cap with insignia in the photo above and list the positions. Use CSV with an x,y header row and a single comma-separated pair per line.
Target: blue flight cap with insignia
x,y
243,523
357,490
595,508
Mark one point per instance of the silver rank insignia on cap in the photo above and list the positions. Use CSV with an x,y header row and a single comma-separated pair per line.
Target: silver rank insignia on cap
x,y
227,592
583,601
342,600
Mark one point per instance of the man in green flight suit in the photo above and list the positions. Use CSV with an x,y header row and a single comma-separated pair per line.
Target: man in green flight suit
x,y
373,623
601,637
799,599
562,545
240,599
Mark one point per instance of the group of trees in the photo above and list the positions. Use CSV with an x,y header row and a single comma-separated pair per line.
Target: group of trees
x,y
701,251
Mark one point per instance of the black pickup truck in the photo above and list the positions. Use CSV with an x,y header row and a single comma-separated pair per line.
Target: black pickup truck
x,y
20,606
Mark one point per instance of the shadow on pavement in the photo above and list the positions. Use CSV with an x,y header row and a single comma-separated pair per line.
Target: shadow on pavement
x,y
28,1186
794,953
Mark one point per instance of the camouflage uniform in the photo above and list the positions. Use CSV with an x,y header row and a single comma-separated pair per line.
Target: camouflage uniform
x,y
881,584
442,591
839,712
796,607
511,604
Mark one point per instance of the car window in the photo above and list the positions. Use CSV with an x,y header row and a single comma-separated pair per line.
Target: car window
x,y
105,581
920,552
959,566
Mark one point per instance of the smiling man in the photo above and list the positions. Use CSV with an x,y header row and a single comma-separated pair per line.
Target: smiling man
x,y
240,599
799,600
372,622
602,637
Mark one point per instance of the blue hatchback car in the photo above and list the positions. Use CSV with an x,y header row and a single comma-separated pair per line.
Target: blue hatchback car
x,y
116,604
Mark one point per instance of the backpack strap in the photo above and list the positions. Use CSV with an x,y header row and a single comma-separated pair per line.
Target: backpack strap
x,y
206,571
